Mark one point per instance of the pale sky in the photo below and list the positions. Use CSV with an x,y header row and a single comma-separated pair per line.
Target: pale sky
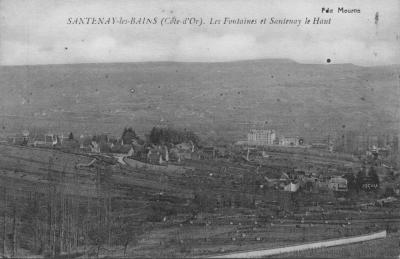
x,y
36,32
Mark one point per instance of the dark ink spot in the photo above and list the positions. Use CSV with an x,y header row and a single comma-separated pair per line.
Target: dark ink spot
x,y
221,94
239,92
376,18
328,60
343,126
362,98
66,48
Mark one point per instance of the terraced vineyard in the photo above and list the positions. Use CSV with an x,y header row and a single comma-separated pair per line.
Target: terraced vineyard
x,y
62,203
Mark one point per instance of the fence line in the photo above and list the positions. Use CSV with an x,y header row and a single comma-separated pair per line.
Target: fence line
x,y
287,249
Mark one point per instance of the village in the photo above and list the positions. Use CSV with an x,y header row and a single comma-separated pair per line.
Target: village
x,y
265,191
249,191
192,129
369,162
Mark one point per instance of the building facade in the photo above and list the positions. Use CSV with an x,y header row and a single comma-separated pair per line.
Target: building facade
x,y
289,141
261,137
338,184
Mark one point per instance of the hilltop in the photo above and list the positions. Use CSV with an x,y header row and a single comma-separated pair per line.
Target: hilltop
x,y
216,100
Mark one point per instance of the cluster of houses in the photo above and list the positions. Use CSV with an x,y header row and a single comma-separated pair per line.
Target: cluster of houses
x,y
159,154
38,140
176,153
105,143
312,182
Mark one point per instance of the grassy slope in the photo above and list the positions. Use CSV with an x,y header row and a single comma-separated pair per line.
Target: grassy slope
x,y
213,99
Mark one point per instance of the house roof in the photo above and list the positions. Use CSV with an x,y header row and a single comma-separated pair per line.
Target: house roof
x,y
338,179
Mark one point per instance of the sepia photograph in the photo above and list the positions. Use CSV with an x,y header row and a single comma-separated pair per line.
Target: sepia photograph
x,y
199,129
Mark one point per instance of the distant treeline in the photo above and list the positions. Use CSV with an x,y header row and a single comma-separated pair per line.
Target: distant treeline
x,y
160,135
157,136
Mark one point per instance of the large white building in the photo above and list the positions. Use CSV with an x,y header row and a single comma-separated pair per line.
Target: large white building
x,y
261,137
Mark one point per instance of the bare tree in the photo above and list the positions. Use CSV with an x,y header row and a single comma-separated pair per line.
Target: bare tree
x,y
4,220
14,227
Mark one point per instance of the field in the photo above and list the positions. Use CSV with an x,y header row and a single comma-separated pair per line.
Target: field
x,y
216,100
209,208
